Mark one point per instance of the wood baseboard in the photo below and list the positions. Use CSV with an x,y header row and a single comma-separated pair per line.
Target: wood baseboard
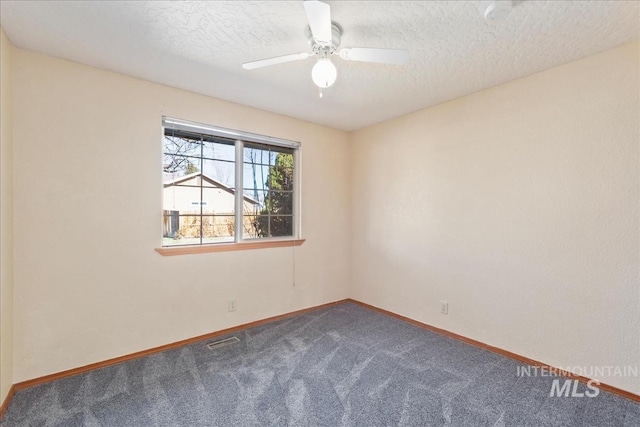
x,y
519,358
7,400
125,358
120,359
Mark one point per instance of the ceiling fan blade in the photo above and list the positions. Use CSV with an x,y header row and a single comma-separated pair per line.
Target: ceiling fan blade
x,y
368,54
277,60
319,16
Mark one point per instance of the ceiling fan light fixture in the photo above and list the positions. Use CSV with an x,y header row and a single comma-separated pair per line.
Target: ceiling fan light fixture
x,y
324,73
324,38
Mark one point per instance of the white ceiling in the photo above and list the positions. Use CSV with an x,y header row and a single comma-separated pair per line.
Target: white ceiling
x,y
200,46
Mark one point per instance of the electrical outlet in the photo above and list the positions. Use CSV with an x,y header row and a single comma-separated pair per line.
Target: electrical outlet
x,y
444,307
233,305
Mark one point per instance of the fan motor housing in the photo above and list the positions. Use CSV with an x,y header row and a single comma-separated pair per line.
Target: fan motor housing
x,y
320,48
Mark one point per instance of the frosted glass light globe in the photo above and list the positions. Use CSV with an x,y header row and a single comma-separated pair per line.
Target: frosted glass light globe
x,y
324,73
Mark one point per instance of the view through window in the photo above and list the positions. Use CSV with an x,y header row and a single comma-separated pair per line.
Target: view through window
x,y
218,189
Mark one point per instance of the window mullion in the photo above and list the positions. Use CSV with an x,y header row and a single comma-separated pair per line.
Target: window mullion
x,y
270,204
201,189
295,209
239,192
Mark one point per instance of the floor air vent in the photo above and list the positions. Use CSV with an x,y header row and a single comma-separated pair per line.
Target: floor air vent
x,y
222,343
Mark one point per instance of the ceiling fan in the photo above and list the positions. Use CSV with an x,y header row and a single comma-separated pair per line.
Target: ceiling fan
x,y
324,38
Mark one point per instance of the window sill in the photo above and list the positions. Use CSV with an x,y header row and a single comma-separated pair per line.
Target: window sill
x,y
226,247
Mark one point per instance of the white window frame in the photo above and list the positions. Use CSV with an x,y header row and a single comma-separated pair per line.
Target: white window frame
x,y
240,137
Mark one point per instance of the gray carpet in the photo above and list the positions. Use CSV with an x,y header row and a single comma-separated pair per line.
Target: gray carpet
x,y
341,366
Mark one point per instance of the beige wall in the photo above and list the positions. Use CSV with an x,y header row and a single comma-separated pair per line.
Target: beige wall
x,y
88,284
6,219
519,206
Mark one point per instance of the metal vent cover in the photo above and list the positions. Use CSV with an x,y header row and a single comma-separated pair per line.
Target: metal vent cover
x,y
222,343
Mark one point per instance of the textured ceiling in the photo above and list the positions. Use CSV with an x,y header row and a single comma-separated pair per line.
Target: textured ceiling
x,y
200,46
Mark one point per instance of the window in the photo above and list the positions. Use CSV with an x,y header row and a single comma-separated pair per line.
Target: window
x,y
225,186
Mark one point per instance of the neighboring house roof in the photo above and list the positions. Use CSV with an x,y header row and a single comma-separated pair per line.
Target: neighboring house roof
x,y
212,181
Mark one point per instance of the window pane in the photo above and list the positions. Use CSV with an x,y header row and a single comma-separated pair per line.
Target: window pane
x,y
260,226
266,168
279,203
254,200
180,145
180,229
218,228
219,149
254,195
218,201
258,156
281,226
269,202
255,176
220,171
280,178
256,226
181,155
180,165
251,226
183,196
